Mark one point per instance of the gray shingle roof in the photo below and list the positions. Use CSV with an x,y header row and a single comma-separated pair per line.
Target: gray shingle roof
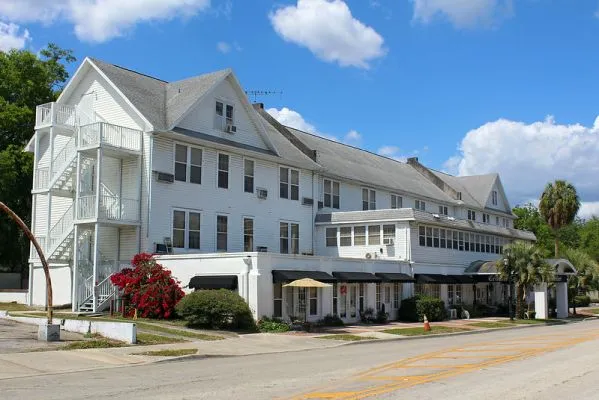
x,y
160,102
419,216
350,162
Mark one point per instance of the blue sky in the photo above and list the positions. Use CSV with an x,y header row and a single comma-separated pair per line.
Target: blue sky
x,y
470,86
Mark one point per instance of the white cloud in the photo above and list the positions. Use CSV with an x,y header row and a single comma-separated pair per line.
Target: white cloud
x,y
223,47
462,13
589,209
295,120
393,152
11,36
528,156
328,29
100,20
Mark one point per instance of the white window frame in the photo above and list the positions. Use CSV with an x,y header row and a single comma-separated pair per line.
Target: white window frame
x,y
420,205
331,202
398,200
218,170
253,176
327,236
371,199
188,164
245,234
288,183
443,210
186,229
217,233
344,235
290,245
486,218
363,236
223,120
379,235
471,215
494,197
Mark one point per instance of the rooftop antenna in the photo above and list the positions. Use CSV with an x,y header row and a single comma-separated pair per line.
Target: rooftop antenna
x,y
256,93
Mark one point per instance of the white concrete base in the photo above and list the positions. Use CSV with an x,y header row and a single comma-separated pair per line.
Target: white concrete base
x,y
541,303
48,333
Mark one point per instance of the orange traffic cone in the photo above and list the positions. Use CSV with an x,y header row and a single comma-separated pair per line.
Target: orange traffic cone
x,y
427,326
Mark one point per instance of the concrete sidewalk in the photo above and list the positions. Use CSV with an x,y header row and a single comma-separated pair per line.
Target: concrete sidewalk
x,y
16,365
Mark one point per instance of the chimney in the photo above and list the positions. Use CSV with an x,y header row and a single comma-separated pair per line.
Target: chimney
x,y
427,173
413,161
258,106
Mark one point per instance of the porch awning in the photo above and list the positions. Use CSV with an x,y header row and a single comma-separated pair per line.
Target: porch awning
x,y
284,275
482,268
356,277
438,279
213,282
394,277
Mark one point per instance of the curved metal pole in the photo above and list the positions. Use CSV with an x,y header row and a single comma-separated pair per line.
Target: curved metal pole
x,y
38,248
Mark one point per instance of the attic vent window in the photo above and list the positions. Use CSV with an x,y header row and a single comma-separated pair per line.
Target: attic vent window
x,y
224,117
459,195
494,197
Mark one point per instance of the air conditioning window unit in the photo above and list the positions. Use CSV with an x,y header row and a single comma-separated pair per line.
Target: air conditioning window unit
x,y
307,201
262,249
388,241
165,177
230,128
261,193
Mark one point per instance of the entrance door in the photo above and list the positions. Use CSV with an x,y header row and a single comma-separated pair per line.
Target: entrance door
x,y
348,302
387,299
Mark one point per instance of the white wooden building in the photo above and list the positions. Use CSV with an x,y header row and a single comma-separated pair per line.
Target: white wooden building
x,y
127,163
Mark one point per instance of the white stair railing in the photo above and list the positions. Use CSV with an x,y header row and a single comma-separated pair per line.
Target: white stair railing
x,y
62,227
41,178
86,209
109,134
42,242
64,157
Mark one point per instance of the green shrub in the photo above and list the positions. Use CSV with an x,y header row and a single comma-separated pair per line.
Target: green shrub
x,y
216,309
414,308
381,317
581,301
367,316
274,324
331,320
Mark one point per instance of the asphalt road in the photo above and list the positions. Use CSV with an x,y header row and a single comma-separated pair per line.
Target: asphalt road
x,y
557,362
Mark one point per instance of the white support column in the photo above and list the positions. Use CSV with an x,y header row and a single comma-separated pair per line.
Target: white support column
x,y
77,182
561,299
370,296
326,301
96,262
49,210
541,304
74,296
98,181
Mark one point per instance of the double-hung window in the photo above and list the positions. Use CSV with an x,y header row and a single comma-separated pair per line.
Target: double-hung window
x,y
368,199
396,201
374,234
359,235
248,176
331,237
289,238
420,205
422,235
188,164
223,115
248,234
486,218
221,232
331,193
443,210
472,215
186,229
223,171
288,183
345,236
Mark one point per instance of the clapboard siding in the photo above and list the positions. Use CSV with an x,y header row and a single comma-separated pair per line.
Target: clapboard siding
x,y
201,119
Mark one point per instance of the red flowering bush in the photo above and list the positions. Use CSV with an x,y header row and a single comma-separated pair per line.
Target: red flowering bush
x,y
148,288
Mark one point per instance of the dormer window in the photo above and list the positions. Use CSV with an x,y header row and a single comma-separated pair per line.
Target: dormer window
x,y
459,195
472,215
223,118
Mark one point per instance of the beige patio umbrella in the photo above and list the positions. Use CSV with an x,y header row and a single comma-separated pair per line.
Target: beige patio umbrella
x,y
307,283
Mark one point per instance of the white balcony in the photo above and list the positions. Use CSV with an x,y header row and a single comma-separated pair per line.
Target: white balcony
x,y
102,133
42,178
112,208
54,114
41,239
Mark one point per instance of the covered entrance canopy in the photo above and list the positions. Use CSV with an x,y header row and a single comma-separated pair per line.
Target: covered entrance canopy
x,y
484,271
438,279
282,275
200,282
356,277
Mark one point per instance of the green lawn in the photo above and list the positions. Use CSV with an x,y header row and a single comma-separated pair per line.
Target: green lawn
x,y
14,307
168,353
592,310
346,337
100,343
149,339
490,324
421,332
177,332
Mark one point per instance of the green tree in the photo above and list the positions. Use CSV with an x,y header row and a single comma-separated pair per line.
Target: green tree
x,y
589,237
27,80
530,219
559,205
526,267
588,272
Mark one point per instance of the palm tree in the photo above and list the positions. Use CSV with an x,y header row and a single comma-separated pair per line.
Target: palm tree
x,y
559,205
525,266
588,271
